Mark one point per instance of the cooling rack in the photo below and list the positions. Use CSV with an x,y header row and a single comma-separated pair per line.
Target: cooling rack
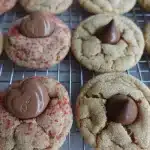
x,y
68,72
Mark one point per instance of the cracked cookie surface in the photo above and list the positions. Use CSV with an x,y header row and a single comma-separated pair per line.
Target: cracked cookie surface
x,y
53,6
45,132
38,52
92,120
95,55
108,6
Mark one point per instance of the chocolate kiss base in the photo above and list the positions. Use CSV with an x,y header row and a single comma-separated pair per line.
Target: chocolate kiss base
x,y
27,100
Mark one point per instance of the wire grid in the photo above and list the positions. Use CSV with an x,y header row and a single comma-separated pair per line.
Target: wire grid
x,y
69,72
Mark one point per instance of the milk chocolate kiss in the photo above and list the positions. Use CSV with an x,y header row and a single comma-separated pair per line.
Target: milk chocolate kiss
x,y
28,100
121,109
109,34
37,25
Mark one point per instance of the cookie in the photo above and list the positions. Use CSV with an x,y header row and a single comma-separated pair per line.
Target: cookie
x,y
1,42
108,6
113,112
145,4
6,5
35,113
52,6
108,43
147,37
37,41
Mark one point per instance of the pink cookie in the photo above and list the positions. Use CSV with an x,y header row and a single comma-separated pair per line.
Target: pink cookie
x,y
6,5
39,52
48,131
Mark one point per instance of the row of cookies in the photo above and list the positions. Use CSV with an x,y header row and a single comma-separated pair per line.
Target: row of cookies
x,y
52,6
59,6
112,112
102,43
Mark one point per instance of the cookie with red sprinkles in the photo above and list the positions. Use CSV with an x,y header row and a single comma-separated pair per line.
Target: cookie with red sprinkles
x,y
39,40
46,131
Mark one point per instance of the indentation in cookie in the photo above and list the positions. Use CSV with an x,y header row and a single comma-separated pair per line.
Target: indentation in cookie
x,y
46,131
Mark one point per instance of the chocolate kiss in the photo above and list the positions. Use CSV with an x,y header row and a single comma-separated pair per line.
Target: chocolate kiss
x,y
28,100
121,109
110,34
37,25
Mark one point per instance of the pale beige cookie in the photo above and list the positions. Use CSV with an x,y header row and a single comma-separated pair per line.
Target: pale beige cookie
x,y
119,48
147,37
53,6
108,6
145,4
96,126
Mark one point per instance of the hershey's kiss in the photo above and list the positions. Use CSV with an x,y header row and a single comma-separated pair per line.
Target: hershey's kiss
x,y
121,109
28,100
109,34
37,25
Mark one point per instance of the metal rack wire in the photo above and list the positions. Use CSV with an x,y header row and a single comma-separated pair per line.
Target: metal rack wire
x,y
68,72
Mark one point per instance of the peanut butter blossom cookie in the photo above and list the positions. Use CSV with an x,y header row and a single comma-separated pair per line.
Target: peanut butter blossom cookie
x,y
113,113
108,6
108,43
53,6
6,5
35,113
39,40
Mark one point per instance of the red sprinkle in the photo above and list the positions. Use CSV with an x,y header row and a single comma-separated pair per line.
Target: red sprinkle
x,y
18,56
13,31
8,124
